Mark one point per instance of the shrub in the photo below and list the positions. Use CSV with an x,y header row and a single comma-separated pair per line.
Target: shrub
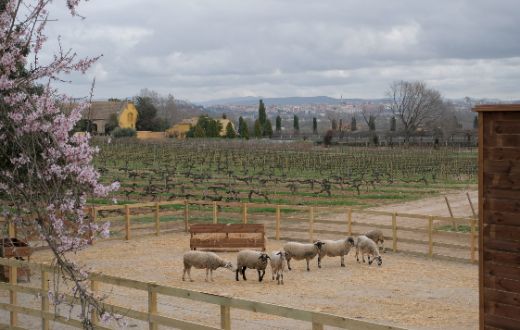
x,y
123,132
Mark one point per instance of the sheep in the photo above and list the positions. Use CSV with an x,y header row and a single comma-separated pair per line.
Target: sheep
x,y
278,260
300,251
251,259
368,247
338,248
202,259
377,236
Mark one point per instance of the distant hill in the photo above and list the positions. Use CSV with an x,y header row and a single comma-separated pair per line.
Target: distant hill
x,y
294,100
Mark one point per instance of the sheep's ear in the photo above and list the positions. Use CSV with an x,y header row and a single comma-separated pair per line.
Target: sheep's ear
x,y
279,253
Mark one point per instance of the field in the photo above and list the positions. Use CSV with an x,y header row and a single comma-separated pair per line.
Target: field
x,y
281,172
415,293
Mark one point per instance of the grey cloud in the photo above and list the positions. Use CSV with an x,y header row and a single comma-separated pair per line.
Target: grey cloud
x,y
209,49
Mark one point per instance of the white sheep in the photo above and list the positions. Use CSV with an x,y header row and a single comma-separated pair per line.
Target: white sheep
x,y
300,251
278,261
377,236
338,248
203,260
367,246
251,259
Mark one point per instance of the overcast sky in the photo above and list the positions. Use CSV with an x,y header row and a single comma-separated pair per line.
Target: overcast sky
x,y
202,50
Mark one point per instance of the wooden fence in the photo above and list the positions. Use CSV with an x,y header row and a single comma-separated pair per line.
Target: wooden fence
x,y
151,316
307,220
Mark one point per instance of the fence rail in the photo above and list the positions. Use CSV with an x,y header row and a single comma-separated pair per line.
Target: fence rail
x,y
152,316
307,216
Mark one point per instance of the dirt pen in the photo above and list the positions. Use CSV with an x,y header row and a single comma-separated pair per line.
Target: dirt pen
x,y
407,291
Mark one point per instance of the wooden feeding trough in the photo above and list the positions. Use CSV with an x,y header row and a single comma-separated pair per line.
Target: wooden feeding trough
x,y
15,248
227,236
499,216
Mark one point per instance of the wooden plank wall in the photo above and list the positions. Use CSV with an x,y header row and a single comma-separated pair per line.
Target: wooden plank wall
x,y
499,197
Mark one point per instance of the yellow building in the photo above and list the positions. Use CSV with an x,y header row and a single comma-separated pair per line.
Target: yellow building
x,y
100,114
180,130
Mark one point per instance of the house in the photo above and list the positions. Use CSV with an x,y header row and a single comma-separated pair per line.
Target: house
x,y
180,130
100,113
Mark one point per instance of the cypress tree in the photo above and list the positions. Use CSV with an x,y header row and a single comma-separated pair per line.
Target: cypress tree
x,y
314,125
296,124
353,124
278,124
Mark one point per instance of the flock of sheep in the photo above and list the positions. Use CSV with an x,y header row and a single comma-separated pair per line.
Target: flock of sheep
x,y
367,244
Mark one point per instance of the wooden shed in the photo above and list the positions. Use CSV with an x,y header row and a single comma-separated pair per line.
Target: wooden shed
x,y
499,216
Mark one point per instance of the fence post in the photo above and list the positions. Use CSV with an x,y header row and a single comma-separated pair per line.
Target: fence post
x,y
349,221
225,317
277,235
311,224
157,220
94,219
186,215
13,299
127,222
215,216
394,232
45,299
94,317
244,212
471,205
473,239
11,229
453,224
430,236
152,306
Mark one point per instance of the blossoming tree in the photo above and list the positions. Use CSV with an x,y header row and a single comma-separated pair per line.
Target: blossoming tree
x,y
46,172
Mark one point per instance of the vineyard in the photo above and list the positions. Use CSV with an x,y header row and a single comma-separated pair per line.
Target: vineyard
x,y
294,173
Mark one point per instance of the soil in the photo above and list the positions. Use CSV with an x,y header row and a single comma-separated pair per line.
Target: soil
x,y
406,291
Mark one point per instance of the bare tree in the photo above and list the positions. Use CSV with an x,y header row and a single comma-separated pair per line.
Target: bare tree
x,y
415,105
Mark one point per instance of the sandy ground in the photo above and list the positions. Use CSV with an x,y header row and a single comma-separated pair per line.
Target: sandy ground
x,y
411,292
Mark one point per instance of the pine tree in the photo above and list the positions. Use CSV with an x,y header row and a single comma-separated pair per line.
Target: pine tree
x,y
372,123
258,129
268,129
296,124
262,116
230,131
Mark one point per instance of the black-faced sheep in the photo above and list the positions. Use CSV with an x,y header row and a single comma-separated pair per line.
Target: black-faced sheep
x,y
338,248
300,251
367,246
251,259
203,260
377,236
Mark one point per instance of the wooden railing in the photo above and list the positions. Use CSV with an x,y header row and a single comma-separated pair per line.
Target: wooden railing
x,y
152,316
307,216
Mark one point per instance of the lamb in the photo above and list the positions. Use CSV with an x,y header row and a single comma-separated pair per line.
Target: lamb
x,y
300,251
251,259
338,248
203,260
278,260
368,247
377,236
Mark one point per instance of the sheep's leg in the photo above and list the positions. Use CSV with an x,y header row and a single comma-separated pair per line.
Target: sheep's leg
x,y
357,254
189,274
207,271
369,261
236,276
211,274
281,276
244,273
260,275
342,261
183,273
308,268
272,273
319,261
289,263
